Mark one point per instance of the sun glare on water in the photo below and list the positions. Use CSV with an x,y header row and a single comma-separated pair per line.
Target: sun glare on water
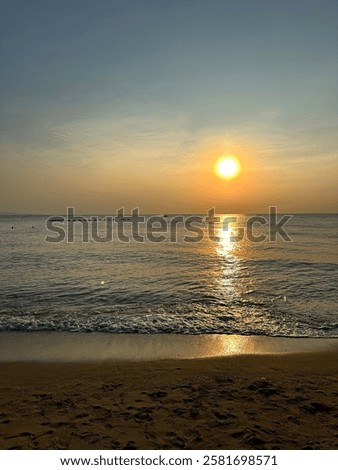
x,y
227,167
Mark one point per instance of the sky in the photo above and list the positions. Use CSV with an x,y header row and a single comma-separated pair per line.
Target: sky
x,y
129,103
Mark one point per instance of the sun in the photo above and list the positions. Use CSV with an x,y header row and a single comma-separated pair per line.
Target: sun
x,y
227,167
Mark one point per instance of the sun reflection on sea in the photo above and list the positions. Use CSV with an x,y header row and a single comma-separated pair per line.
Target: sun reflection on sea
x,y
230,249
226,232
225,248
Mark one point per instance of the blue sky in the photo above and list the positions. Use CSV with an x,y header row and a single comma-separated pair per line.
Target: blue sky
x,y
128,103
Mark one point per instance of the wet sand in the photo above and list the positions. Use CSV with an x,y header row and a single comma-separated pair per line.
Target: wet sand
x,y
248,401
67,347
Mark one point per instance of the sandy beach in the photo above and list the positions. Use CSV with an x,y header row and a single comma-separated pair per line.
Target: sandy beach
x,y
246,401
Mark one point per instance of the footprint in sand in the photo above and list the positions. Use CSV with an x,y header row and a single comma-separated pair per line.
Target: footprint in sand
x,y
142,416
264,387
238,434
224,416
110,387
176,441
102,413
131,445
314,408
255,441
26,434
158,394
82,415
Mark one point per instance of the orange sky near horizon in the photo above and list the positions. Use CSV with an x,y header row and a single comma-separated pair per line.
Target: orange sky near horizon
x,y
190,187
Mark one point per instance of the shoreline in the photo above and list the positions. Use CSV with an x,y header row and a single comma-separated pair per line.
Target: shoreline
x,y
75,347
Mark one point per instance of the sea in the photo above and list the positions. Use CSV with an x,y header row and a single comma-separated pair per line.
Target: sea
x,y
171,274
